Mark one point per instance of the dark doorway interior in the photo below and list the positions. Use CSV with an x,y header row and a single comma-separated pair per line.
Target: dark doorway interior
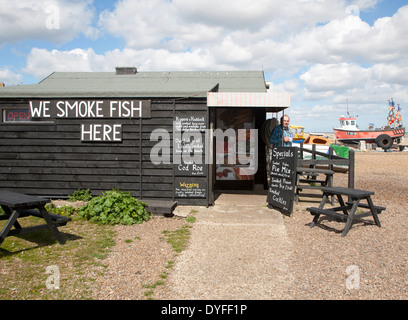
x,y
231,176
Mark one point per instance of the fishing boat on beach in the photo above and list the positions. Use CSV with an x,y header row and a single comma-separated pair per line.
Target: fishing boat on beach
x,y
299,135
384,137
311,141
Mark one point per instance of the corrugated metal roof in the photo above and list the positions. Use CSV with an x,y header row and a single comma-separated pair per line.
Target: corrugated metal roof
x,y
142,84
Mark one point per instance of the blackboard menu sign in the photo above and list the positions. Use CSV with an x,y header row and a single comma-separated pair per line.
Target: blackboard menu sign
x,y
191,121
189,146
282,179
190,187
190,170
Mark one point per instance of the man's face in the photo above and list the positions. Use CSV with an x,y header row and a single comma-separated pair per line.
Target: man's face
x,y
285,122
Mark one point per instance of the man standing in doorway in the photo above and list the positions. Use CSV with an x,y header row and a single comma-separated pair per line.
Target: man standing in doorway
x,y
281,135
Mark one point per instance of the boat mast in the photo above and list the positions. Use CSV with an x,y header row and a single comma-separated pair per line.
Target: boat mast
x,y
348,113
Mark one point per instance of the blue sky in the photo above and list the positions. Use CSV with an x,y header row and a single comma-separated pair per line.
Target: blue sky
x,y
324,52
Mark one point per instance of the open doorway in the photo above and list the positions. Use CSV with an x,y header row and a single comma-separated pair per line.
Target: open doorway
x,y
234,111
232,176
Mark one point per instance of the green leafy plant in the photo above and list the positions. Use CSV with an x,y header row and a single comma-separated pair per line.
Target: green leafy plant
x,y
115,207
81,195
61,211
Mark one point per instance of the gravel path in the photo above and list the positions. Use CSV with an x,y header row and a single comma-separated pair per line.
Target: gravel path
x,y
317,263
236,252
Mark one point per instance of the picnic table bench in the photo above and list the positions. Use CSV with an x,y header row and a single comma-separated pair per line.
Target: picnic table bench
x,y
312,181
17,205
349,208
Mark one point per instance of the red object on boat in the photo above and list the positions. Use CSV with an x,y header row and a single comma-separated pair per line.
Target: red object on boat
x,y
349,133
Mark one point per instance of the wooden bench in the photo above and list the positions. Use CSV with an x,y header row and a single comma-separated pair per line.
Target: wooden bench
x,y
349,209
312,178
59,220
366,206
160,207
330,212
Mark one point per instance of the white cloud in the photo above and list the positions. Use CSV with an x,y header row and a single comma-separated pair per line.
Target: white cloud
x,y
366,85
312,49
335,77
53,20
290,86
41,62
158,23
282,38
236,14
346,39
354,40
391,73
253,15
143,23
10,78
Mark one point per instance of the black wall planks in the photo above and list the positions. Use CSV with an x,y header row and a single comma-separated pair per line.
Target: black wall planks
x,y
49,158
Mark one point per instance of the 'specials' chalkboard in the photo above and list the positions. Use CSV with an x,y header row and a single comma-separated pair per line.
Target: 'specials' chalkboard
x,y
283,179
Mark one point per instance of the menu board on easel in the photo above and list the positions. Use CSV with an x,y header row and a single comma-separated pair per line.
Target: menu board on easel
x,y
281,191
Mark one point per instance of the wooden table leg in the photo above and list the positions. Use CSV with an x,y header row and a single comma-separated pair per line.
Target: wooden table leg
x,y
10,222
51,224
329,183
341,202
350,218
321,206
8,211
373,211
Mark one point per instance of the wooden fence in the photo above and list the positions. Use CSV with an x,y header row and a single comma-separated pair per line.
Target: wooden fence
x,y
328,161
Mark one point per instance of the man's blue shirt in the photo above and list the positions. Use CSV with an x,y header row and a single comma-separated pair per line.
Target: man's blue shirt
x,y
276,137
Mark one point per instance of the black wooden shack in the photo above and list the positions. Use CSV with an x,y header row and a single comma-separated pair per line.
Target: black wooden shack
x,y
100,130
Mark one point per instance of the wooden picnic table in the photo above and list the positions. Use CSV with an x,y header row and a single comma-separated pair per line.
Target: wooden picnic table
x,y
348,209
18,205
312,181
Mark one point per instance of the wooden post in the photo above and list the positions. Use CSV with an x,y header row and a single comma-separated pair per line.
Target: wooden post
x,y
313,156
140,159
172,157
351,173
330,158
207,149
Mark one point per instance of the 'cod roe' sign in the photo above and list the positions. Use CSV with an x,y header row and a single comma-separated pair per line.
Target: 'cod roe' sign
x,y
92,109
